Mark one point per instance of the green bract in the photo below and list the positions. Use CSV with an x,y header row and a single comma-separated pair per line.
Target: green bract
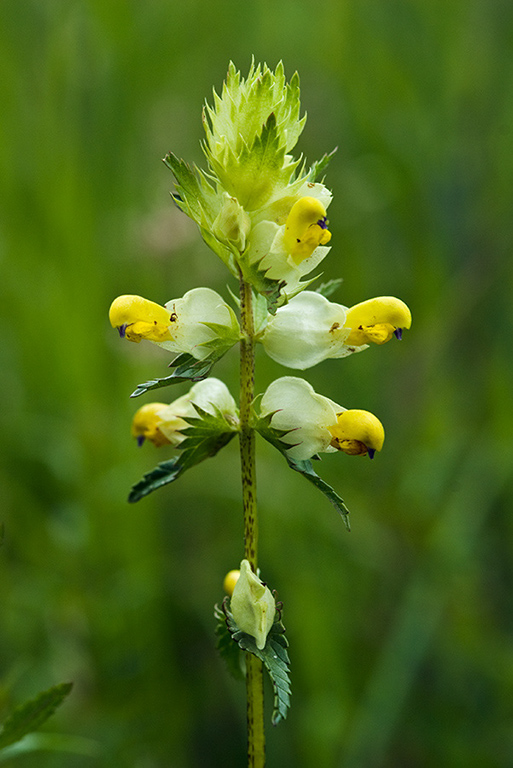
x,y
241,203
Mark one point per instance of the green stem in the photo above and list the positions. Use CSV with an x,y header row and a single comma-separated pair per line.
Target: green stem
x,y
254,677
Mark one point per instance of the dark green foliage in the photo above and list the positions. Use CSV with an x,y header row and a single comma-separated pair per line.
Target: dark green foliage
x,y
205,436
274,656
188,368
228,650
32,714
304,467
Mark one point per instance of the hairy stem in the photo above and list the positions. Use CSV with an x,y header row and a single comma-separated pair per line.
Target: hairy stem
x,y
254,677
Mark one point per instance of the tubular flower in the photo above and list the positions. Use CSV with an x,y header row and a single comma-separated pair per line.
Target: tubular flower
x,y
252,605
306,331
310,328
288,239
137,318
163,424
357,433
310,423
186,325
306,228
377,320
145,425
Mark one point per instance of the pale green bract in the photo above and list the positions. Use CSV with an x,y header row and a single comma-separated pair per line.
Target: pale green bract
x,y
241,203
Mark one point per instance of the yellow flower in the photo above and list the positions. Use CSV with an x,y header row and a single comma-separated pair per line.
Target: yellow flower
x,y
137,318
311,423
357,433
146,422
376,321
306,228
190,324
163,424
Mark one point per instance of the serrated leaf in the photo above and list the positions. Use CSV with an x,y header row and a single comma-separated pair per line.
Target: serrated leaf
x,y
304,467
320,166
274,656
204,437
188,368
228,650
265,286
328,289
32,714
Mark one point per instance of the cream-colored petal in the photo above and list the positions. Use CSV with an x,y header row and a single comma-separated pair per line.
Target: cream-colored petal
x,y
305,331
305,415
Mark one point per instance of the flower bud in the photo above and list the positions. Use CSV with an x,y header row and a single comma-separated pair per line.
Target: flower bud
x,y
230,580
232,223
252,605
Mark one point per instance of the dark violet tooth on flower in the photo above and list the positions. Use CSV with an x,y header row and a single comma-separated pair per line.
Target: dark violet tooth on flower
x,y
122,329
371,452
323,223
140,440
398,333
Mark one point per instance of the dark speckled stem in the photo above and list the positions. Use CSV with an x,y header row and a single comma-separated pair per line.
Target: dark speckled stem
x,y
254,677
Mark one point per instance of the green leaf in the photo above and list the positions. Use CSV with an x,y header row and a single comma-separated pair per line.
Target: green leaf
x,y
269,289
32,714
189,368
328,289
317,168
204,437
305,468
274,656
228,650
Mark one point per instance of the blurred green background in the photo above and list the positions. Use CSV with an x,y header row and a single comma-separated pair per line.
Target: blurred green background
x,y
400,632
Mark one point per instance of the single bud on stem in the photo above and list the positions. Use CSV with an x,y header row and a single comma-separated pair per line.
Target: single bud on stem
x,y
252,605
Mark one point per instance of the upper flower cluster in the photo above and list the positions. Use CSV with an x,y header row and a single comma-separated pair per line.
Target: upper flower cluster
x,y
257,207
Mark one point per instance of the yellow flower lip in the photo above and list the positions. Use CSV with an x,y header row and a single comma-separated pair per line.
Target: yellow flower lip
x,y
377,320
306,228
137,318
145,425
357,433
